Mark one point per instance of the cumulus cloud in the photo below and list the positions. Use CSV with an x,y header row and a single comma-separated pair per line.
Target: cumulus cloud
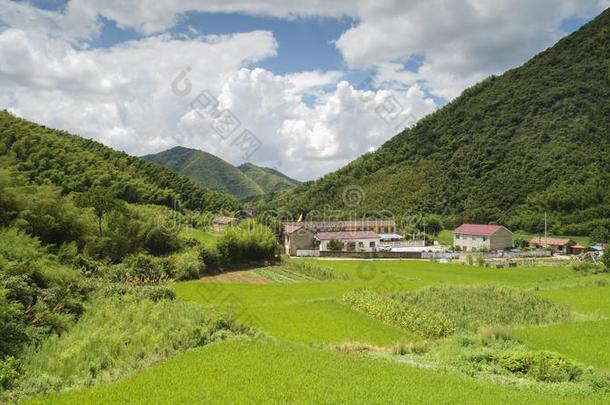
x,y
307,123
461,41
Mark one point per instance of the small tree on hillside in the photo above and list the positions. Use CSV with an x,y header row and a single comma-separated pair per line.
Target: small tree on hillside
x,y
606,258
102,201
335,245
599,235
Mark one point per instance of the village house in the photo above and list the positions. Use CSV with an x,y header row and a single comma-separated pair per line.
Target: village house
x,y
302,235
557,245
489,237
353,241
220,223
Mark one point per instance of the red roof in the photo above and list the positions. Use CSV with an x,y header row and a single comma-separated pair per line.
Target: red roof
x,y
475,229
290,228
347,235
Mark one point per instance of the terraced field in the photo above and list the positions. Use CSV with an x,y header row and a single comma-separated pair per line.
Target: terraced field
x,y
313,347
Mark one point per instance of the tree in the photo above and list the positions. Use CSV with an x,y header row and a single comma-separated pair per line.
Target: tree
x,y
606,257
335,245
599,235
433,224
102,200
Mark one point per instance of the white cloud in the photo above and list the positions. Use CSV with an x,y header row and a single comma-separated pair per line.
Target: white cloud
x,y
305,140
461,41
308,122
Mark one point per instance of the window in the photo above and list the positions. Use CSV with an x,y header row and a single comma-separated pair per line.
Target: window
x,y
372,244
484,238
457,236
360,244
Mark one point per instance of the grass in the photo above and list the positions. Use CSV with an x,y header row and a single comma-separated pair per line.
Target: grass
x,y
304,320
204,237
117,336
587,342
242,371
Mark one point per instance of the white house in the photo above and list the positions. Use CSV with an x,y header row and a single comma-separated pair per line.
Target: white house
x,y
355,241
490,237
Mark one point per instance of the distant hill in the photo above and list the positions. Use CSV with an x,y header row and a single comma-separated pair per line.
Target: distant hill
x,y
533,140
243,182
74,163
268,179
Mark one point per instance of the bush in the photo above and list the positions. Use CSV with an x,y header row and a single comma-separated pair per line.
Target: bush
x,y
247,244
151,292
388,310
541,366
186,265
588,267
606,258
159,240
335,245
10,371
142,269
599,235
470,307
209,255
116,337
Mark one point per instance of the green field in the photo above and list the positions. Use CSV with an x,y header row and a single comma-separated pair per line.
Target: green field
x,y
302,323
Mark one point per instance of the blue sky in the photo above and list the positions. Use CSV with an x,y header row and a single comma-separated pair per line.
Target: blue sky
x,y
312,80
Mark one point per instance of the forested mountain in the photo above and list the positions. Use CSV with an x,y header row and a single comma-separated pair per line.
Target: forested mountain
x,y
47,156
243,182
533,140
268,179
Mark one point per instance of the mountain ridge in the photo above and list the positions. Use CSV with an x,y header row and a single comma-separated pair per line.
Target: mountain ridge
x,y
246,181
508,149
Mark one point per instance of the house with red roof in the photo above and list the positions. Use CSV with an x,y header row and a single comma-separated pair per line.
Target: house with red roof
x,y
353,241
476,237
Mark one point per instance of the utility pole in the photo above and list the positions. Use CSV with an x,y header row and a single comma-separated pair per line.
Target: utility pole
x,y
546,242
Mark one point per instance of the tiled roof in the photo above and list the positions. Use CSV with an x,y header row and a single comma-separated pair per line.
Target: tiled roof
x,y
347,235
476,229
290,228
541,240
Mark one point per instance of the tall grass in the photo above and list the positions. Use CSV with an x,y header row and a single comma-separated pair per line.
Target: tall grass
x,y
470,307
117,336
291,271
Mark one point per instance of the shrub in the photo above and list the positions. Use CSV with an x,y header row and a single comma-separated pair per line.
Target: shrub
x,y
313,270
160,240
606,258
247,244
210,256
588,267
541,366
388,310
470,307
335,245
151,292
141,269
186,265
599,235
10,371
116,337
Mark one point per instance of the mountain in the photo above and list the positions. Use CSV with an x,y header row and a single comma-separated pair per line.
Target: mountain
x,y
243,182
75,164
535,139
268,179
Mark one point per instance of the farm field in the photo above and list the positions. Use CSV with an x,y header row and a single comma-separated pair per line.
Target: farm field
x,y
314,347
266,371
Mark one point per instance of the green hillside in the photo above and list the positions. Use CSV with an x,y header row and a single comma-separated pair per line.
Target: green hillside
x,y
535,139
270,180
243,182
208,170
47,156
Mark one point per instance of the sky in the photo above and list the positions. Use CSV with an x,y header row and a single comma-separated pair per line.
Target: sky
x,y
302,86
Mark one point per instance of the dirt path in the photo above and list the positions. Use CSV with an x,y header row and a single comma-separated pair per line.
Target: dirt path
x,y
240,276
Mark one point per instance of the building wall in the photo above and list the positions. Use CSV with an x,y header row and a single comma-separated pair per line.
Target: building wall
x,y
470,242
364,247
502,239
301,239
